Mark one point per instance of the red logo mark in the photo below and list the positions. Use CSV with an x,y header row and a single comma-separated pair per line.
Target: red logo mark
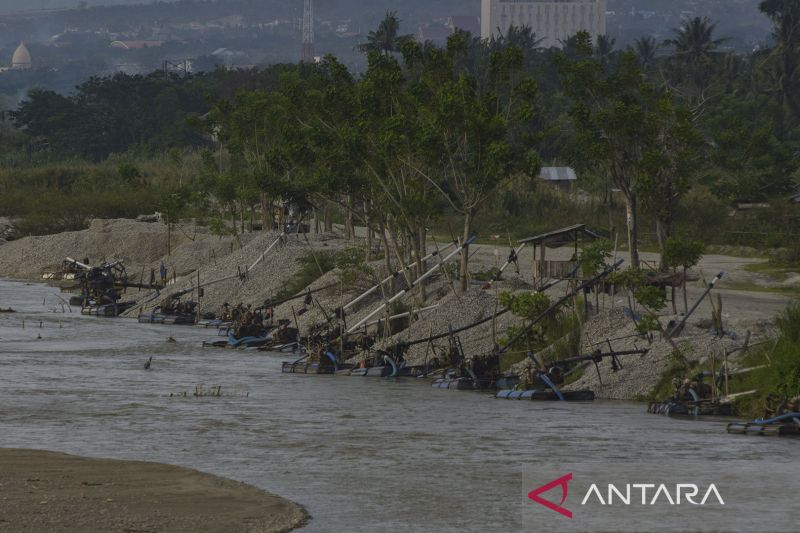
x,y
562,482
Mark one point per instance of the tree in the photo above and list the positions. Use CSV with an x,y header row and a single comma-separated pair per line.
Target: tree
x,y
785,16
604,48
474,140
613,118
694,43
646,49
668,162
683,253
386,38
695,55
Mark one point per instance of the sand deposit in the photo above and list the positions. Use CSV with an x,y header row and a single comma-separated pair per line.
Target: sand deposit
x,y
48,491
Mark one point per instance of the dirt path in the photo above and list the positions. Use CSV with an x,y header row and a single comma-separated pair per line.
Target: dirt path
x,y
48,491
738,305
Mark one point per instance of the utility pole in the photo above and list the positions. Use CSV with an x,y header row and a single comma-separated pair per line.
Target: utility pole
x,y
308,31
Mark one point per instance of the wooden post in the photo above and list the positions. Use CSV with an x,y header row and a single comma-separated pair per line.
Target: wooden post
x,y
713,376
725,362
543,261
199,292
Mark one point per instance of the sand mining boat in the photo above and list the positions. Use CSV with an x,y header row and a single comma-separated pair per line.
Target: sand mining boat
x,y
460,383
316,363
214,323
787,424
108,310
704,407
391,368
547,395
155,316
257,340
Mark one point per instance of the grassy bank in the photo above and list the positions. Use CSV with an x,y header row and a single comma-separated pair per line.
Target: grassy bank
x,y
779,375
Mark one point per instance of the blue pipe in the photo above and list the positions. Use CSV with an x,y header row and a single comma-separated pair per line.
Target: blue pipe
x,y
785,416
552,385
387,359
333,358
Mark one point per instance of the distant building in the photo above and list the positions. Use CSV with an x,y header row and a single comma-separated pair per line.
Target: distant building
x,y
561,177
136,45
553,21
469,24
440,30
435,34
21,60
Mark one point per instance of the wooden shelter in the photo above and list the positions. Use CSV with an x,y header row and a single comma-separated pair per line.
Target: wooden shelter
x,y
544,269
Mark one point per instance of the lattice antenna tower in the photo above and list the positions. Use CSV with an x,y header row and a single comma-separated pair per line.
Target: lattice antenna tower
x,y
308,31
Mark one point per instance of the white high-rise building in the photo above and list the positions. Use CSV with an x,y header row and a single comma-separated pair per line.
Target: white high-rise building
x,y
552,21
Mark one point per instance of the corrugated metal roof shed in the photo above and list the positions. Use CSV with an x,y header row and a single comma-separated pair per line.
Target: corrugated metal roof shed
x,y
558,174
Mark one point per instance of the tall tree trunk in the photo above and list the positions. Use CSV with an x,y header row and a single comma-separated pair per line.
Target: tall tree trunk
x,y
328,219
368,223
316,221
420,268
349,227
465,252
266,219
674,305
387,260
685,299
633,230
398,253
662,234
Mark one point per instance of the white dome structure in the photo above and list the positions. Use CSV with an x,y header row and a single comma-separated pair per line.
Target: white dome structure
x,y
22,58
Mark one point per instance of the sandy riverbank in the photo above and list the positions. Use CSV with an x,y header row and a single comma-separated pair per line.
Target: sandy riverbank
x,y
48,491
195,252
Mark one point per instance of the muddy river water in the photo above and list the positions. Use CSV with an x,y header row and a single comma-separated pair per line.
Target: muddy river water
x,y
360,454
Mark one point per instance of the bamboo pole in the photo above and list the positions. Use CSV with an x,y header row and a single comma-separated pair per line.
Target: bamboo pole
x,y
419,280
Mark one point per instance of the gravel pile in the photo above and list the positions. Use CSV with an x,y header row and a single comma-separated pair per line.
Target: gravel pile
x,y
639,374
338,295
220,278
456,310
139,244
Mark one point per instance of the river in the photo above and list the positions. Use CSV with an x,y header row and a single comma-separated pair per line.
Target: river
x,y
360,454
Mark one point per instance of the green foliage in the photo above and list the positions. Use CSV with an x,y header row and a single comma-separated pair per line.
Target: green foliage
x,y
485,275
628,277
675,373
789,324
312,266
592,258
683,253
429,137
114,115
653,298
647,324
560,334
781,374
528,305
353,265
